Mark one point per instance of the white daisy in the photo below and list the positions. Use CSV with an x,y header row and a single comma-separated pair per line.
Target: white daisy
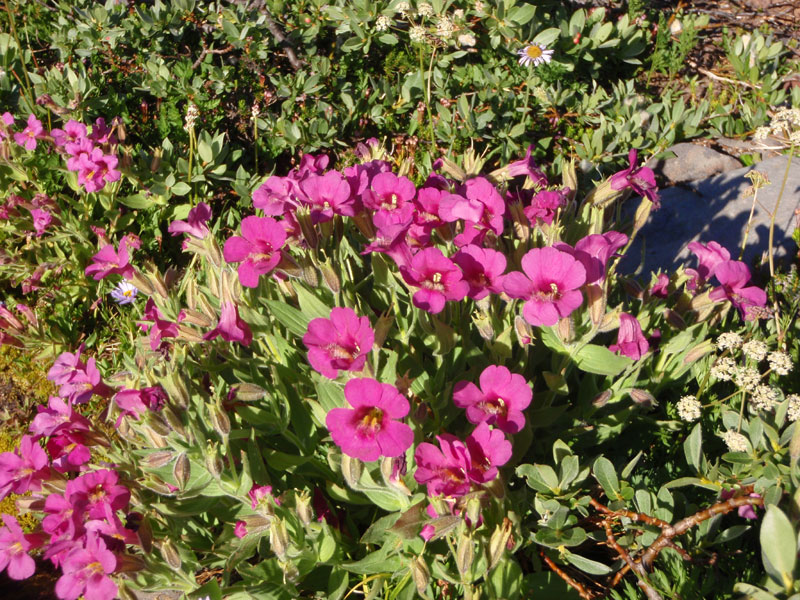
x,y
536,54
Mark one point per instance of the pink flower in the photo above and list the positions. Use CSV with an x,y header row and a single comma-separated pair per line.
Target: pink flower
x,y
231,326
28,136
526,166
99,492
746,511
109,262
6,122
84,384
709,256
328,195
195,223
101,133
630,339
135,403
500,400
339,343
86,571
14,547
258,248
550,285
482,269
24,469
41,220
428,202
240,529
274,194
95,169
390,237
160,328
57,417
68,450
389,192
488,449
438,278
599,248
733,275
370,429
72,133
260,494
66,366
481,208
660,288
427,532
63,519
544,206
641,180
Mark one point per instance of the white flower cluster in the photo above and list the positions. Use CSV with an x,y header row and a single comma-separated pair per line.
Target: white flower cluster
x,y
785,125
747,378
403,8
382,23
466,40
424,9
192,112
793,413
417,33
735,442
764,397
755,350
780,362
445,28
729,340
724,369
689,408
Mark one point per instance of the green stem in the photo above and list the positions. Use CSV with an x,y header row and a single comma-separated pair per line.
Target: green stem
x,y
771,240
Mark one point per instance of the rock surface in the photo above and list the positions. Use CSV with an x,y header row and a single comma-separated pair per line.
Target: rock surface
x,y
716,209
691,162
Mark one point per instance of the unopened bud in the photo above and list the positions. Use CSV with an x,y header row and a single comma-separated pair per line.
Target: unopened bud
x,y
453,170
632,288
307,228
420,574
157,485
189,334
171,555
609,322
278,537
207,310
155,164
569,178
603,195
698,352
498,542
523,330
191,294
565,329
157,424
484,325
214,462
142,283
182,471
158,459
213,251
596,300
145,533
473,510
351,469
674,319
382,327
465,554
194,317
643,398
601,399
158,283
642,213
220,421
331,278
212,281
249,392
310,275
303,507
174,421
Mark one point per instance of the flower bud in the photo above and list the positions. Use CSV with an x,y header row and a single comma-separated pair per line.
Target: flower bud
x,y
698,352
278,537
569,178
303,215
157,424
465,554
473,510
674,319
191,294
158,283
453,170
523,330
382,328
212,281
331,278
142,283
310,275
351,469
609,322
596,300
213,251
189,334
159,459
603,195
249,392
182,471
214,462
601,399
207,309
194,317
392,469
643,398
157,485
171,555
632,288
145,533
420,574
484,325
155,164
498,542
565,329
220,421
303,508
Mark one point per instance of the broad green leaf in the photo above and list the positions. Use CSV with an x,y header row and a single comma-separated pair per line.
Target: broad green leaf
x,y
778,546
288,316
605,474
505,581
588,566
541,478
600,360
693,447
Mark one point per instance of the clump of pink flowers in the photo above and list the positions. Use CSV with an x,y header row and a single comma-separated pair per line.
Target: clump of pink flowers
x,y
340,343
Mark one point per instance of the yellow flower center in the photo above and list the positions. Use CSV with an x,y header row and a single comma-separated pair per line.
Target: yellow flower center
x,y
533,51
127,293
372,420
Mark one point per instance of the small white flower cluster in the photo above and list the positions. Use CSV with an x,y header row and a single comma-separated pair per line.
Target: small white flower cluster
x,y
785,126
689,408
747,378
764,397
724,369
755,350
424,9
780,362
255,111
735,442
445,28
192,112
793,413
382,23
417,33
467,40
403,9
729,340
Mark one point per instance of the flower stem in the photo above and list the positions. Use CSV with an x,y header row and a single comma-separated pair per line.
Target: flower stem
x,y
771,248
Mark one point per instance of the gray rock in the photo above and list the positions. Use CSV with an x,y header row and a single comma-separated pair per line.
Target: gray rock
x,y
691,162
165,595
716,209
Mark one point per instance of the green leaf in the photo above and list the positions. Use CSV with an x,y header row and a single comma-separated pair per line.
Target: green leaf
x,y
547,37
556,538
778,546
604,472
588,566
180,189
600,360
138,201
522,14
505,581
376,562
310,305
288,316
388,38
541,478
693,447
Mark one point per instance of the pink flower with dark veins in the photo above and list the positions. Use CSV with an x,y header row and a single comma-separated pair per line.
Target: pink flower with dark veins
x,y
483,270
708,256
328,195
600,248
371,428
160,327
99,491
733,275
231,326
630,338
499,401
258,249
526,166
195,223
110,262
340,343
389,192
41,220
28,136
544,206
438,278
24,469
86,572
14,548
550,285
73,132
641,180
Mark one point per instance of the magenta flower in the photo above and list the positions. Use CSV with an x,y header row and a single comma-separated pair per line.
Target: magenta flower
x,y
480,207
28,136
550,285
72,133
641,180
6,122
84,384
99,492
86,572
428,201
708,256
482,269
389,192
488,449
24,469
160,327
135,403
390,235
599,248
195,223
438,278
427,532
41,220
14,547
544,206
95,169
57,417
733,275
746,511
62,520
260,494
231,326
370,429
274,194
101,133
109,262
66,366
328,195
240,529
68,450
630,339
526,166
500,400
340,343
258,248
660,288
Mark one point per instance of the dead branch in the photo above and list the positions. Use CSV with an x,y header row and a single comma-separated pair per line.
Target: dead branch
x,y
582,591
636,567
283,42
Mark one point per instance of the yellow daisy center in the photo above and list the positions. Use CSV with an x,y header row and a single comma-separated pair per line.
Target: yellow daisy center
x,y
533,51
